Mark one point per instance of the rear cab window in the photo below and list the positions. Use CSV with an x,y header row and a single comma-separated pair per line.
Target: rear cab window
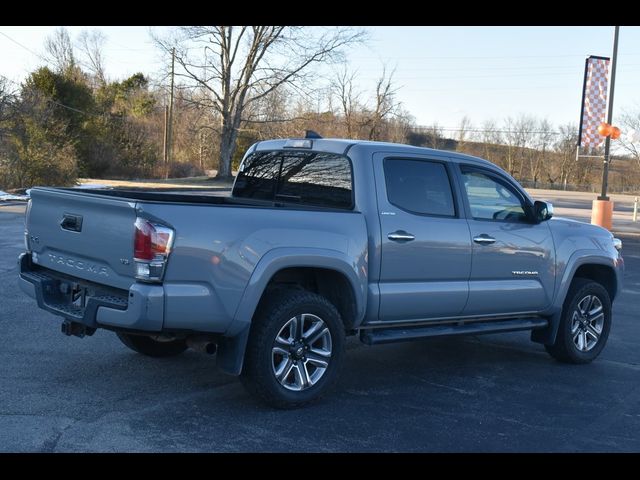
x,y
297,177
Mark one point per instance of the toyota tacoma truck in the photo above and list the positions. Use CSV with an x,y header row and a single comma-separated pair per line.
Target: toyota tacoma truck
x,y
321,239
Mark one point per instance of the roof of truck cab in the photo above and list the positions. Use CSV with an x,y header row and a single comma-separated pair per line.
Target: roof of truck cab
x,y
343,146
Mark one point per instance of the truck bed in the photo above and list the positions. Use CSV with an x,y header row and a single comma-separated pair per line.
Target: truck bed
x,y
219,244
184,195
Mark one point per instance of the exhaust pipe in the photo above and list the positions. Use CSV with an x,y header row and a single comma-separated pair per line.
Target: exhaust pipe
x,y
202,344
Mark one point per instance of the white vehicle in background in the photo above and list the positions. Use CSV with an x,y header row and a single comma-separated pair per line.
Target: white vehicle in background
x,y
12,197
5,197
92,186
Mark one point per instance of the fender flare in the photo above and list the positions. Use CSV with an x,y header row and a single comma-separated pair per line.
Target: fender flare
x,y
547,335
231,354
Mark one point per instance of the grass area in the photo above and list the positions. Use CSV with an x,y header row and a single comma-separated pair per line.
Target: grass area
x,y
191,182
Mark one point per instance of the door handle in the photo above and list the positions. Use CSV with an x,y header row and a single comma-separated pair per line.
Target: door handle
x,y
484,239
71,222
400,236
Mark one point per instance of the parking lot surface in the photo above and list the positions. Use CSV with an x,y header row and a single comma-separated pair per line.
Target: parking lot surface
x,y
460,394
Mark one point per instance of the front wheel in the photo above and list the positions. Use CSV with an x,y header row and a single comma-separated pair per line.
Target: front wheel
x,y
153,346
584,325
295,349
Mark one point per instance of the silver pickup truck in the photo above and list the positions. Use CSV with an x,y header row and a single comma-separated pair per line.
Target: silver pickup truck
x,y
320,239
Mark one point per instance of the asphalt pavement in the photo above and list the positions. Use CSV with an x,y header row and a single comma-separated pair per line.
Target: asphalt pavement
x,y
467,394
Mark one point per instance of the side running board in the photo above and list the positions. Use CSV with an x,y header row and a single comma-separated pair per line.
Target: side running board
x,y
403,334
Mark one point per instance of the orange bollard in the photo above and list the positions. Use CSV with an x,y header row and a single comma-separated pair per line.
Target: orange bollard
x,y
602,213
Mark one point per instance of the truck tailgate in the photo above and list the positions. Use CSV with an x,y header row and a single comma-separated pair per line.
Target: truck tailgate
x,y
84,235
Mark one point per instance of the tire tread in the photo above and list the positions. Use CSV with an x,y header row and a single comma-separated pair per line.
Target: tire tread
x,y
562,349
272,311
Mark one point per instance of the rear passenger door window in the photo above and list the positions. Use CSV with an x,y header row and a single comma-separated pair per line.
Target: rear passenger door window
x,y
419,187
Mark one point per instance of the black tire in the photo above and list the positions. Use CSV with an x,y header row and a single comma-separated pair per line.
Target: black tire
x,y
150,347
259,371
565,348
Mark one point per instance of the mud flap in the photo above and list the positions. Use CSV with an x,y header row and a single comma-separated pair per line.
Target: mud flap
x,y
547,335
230,355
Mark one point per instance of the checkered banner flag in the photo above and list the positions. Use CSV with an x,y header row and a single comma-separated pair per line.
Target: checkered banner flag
x,y
594,101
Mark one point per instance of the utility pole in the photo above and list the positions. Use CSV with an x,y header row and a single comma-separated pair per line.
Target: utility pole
x,y
170,115
607,141
205,63
201,149
165,146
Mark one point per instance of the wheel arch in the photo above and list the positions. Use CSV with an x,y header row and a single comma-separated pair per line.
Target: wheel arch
x,y
605,275
330,272
579,266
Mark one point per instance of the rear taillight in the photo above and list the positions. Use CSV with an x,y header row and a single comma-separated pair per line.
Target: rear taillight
x,y
151,248
27,246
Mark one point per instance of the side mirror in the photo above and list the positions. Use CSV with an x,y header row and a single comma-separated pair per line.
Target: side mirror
x,y
542,210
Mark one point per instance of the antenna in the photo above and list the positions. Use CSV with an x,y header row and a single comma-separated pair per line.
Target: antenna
x,y
311,134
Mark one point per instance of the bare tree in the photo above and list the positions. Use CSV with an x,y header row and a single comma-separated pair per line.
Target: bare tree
x,y
348,97
6,113
631,121
511,140
518,137
436,136
542,141
463,131
490,136
566,146
91,44
399,127
524,127
490,132
238,66
59,50
7,97
384,103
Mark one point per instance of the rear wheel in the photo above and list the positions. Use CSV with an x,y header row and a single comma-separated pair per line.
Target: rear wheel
x,y
585,323
295,349
153,345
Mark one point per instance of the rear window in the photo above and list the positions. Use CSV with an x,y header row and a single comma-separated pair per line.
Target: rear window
x,y
257,175
304,178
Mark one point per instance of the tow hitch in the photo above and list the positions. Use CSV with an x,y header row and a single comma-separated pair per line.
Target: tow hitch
x,y
77,329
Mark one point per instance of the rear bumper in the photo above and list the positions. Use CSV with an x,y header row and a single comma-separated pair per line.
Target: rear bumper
x,y
139,308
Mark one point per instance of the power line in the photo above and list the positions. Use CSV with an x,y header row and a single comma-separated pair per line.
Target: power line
x,y
476,57
25,47
496,75
47,61
73,109
565,86
123,47
50,99
480,130
450,75
417,67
